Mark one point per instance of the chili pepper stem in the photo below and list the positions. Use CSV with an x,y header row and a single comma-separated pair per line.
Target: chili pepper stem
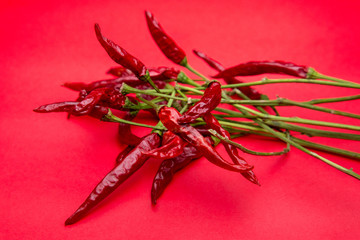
x,y
191,69
295,80
298,146
246,150
313,74
109,117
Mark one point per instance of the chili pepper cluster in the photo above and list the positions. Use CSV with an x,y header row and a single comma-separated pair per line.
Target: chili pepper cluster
x,y
188,127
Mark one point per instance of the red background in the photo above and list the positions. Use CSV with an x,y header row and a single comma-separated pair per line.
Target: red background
x,y
50,164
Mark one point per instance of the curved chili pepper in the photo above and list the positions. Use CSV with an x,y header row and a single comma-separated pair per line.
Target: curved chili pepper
x,y
172,146
124,131
157,73
169,117
120,55
123,154
119,72
213,123
104,96
261,67
207,103
96,112
115,83
247,90
166,44
169,167
132,162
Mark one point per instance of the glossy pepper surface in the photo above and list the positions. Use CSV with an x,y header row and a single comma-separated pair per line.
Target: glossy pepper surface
x,y
120,55
172,146
208,102
132,162
169,117
166,44
212,123
261,67
169,167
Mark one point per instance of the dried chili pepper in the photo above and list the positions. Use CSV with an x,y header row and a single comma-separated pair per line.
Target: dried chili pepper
x,y
169,167
169,117
132,162
207,103
261,67
121,156
120,55
124,131
96,112
213,123
247,90
166,44
157,73
172,146
108,97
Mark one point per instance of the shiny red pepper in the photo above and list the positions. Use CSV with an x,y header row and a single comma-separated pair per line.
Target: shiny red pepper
x,y
96,112
169,117
172,146
169,167
208,102
261,67
124,131
247,90
212,123
121,56
157,73
166,44
131,163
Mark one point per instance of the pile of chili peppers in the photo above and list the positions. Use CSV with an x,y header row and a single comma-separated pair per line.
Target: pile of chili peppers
x,y
190,127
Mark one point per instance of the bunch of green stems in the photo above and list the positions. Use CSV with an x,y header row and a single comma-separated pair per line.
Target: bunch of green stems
x,y
258,119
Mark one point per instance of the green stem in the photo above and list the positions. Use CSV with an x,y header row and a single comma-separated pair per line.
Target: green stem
x,y
298,146
271,81
246,150
187,66
313,74
109,117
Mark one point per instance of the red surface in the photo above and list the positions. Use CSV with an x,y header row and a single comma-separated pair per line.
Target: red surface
x,y
50,164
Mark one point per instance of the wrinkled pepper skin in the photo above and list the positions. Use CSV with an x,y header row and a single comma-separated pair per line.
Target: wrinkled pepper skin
x,y
169,167
120,55
247,90
172,146
157,73
96,112
166,44
208,102
130,164
125,135
212,123
169,117
261,67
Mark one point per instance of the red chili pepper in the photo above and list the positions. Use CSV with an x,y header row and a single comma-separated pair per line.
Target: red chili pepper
x,y
132,162
123,154
120,72
172,146
247,90
213,123
120,55
108,97
207,103
96,112
166,44
169,117
124,132
169,167
157,73
261,67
